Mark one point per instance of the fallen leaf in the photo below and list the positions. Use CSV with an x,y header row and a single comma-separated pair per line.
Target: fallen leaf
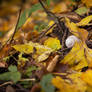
x,y
87,77
42,52
76,58
76,79
85,21
88,3
46,83
81,10
61,7
63,86
53,43
74,29
80,55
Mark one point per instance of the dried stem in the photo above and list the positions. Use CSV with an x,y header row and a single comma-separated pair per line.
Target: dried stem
x,y
16,25
52,15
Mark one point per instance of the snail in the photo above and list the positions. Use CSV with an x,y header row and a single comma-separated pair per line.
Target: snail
x,y
71,40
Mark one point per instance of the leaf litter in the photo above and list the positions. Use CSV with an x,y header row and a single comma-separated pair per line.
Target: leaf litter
x,y
34,56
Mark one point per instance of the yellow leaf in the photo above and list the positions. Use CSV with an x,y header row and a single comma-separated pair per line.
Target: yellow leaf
x,y
85,21
88,3
76,56
50,24
53,43
88,53
24,48
42,52
61,7
44,56
79,32
83,34
80,53
64,86
89,89
72,26
87,77
76,79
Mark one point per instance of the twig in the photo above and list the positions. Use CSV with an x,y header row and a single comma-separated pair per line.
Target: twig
x,y
70,15
10,82
33,79
16,25
64,37
11,38
6,83
63,49
59,73
42,34
52,15
43,6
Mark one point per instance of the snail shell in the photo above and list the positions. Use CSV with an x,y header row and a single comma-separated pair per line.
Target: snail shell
x,y
71,40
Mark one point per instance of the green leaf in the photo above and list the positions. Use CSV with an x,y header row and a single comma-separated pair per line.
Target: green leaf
x,y
48,2
13,75
81,10
26,84
27,14
34,8
46,83
5,76
16,76
29,70
12,68
22,19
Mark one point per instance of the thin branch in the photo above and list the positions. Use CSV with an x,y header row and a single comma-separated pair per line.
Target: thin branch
x,y
33,79
10,82
11,38
44,7
52,15
16,25
6,83
42,34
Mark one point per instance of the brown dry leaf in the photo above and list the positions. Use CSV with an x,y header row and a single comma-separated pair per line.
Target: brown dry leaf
x,y
5,50
29,24
61,7
2,64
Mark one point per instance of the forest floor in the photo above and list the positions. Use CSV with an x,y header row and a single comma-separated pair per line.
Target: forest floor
x,y
46,46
